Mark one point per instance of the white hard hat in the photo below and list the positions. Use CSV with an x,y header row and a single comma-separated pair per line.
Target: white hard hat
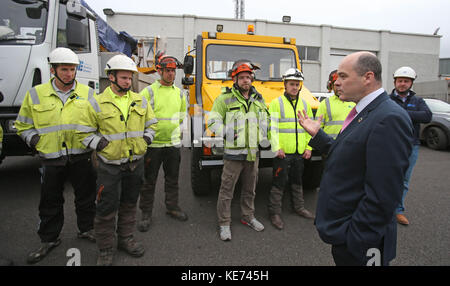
x,y
63,56
293,74
405,72
122,63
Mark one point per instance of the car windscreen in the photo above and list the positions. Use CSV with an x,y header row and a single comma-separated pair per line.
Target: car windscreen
x,y
273,62
22,22
438,106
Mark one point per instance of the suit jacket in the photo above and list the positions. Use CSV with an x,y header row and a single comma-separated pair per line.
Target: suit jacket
x,y
362,182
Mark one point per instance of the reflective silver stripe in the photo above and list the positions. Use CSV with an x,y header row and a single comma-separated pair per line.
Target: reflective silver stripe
x,y
123,135
28,134
287,120
150,122
34,96
304,105
286,130
327,102
63,152
94,103
282,115
119,161
111,137
90,92
25,119
229,101
236,151
56,128
133,134
150,133
181,94
161,118
334,123
144,102
91,141
152,97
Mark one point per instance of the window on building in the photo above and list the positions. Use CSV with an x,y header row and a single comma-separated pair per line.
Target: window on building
x,y
308,53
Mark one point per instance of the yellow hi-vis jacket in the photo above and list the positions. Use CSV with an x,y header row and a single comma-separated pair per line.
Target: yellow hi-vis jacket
x,y
243,124
126,137
43,113
334,112
169,105
285,131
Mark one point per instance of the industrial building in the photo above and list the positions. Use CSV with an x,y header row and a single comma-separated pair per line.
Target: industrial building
x,y
321,47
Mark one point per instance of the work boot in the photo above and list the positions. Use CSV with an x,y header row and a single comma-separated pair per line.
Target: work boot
x,y
105,257
41,252
254,223
401,219
276,221
225,233
131,246
89,235
178,214
305,213
144,224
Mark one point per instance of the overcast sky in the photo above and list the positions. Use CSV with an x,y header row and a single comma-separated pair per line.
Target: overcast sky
x,y
409,16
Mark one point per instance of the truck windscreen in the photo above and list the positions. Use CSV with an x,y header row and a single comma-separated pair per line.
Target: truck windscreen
x,y
272,61
22,22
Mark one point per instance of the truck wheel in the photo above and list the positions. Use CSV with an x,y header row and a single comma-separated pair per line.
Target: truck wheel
x,y
200,178
435,138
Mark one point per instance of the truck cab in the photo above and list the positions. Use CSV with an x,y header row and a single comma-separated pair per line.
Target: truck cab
x,y
29,31
215,53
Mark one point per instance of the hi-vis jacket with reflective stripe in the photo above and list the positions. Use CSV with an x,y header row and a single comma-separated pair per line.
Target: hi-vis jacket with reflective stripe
x,y
285,131
126,137
243,124
43,113
169,105
334,112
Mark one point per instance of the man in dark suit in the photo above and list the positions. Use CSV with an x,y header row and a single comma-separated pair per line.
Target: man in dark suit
x,y
363,177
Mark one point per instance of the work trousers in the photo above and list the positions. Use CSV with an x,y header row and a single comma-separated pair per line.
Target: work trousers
x,y
288,170
117,194
232,170
51,206
169,158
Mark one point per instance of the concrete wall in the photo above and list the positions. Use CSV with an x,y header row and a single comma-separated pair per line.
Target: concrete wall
x,y
421,52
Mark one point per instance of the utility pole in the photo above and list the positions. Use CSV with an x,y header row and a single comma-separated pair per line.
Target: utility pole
x,y
239,9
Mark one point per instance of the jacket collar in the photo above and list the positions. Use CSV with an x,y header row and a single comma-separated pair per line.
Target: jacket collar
x,y
49,85
108,94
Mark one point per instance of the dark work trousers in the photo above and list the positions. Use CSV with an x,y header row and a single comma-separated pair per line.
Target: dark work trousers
x,y
170,158
117,194
51,207
288,170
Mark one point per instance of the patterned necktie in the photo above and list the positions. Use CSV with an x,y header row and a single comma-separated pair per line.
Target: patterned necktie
x,y
349,118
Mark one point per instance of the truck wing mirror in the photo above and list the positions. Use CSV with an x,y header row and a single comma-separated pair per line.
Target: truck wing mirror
x,y
76,33
188,65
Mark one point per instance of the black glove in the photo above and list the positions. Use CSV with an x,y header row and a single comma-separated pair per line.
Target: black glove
x,y
102,144
34,141
148,140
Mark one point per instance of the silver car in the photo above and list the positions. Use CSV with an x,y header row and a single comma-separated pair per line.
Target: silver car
x,y
436,134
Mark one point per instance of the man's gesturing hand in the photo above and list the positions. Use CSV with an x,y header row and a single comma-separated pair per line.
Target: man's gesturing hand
x,y
310,125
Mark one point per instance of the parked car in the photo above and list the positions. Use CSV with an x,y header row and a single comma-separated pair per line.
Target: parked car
x,y
436,134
